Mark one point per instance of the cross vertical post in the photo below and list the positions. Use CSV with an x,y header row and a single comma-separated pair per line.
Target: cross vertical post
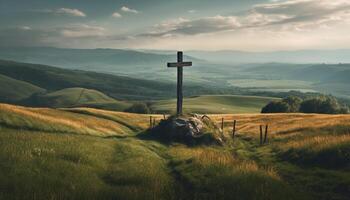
x,y
179,65
179,84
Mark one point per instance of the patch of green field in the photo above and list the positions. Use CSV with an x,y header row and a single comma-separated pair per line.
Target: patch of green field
x,y
80,97
271,84
215,104
39,165
12,90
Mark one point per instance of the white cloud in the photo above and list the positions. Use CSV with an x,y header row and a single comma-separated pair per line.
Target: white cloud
x,y
198,26
116,15
71,12
63,11
290,15
82,30
192,11
129,10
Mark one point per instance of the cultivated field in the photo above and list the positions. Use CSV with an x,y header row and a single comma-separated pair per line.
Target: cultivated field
x,y
88,153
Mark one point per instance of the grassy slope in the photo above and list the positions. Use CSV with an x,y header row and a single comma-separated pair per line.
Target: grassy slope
x,y
215,104
14,90
38,160
69,121
80,97
52,79
119,87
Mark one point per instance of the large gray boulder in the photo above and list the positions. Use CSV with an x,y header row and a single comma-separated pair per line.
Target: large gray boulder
x,y
194,128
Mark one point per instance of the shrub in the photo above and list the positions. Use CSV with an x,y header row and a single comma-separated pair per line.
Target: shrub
x,y
276,107
139,108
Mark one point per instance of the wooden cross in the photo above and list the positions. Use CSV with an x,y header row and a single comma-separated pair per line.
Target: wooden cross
x,y
179,65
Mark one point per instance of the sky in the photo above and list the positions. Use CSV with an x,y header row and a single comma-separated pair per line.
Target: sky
x,y
208,25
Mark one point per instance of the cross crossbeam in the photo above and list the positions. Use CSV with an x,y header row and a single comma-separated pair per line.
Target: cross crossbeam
x,y
179,65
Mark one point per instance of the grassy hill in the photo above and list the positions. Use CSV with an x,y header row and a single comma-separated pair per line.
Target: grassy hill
x,y
84,153
118,87
53,79
13,90
77,97
215,104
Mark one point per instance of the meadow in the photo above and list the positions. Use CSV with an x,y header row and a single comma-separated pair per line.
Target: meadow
x,y
94,154
210,104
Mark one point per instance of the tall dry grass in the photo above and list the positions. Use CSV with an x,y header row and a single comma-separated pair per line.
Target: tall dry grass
x,y
52,120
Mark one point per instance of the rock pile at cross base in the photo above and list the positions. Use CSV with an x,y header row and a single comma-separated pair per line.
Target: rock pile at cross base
x,y
192,130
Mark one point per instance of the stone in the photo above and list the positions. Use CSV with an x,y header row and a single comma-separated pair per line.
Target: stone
x,y
191,129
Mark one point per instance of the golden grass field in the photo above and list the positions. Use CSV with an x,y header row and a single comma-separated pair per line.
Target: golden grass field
x,y
100,155
86,121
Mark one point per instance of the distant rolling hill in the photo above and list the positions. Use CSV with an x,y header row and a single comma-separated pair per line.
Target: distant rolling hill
x,y
215,104
46,86
111,60
217,69
12,90
299,56
325,78
118,87
77,97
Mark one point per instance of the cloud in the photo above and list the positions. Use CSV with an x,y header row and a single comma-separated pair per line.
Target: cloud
x,y
296,15
192,11
129,10
82,31
198,26
64,11
72,12
116,15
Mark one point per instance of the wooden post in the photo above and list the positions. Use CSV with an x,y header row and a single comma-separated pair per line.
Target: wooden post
x,y
164,116
150,122
222,125
179,83
179,65
261,134
234,129
266,131
154,123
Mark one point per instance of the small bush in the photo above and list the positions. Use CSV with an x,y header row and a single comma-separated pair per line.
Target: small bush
x,y
139,108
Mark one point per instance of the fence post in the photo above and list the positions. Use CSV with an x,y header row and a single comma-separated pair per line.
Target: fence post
x,y
261,134
266,132
164,116
154,123
150,122
234,129
222,125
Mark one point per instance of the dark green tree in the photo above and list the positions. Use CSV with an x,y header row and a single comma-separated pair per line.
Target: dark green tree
x,y
322,105
276,107
293,102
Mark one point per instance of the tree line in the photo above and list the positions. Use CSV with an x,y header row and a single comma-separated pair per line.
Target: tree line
x,y
320,104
